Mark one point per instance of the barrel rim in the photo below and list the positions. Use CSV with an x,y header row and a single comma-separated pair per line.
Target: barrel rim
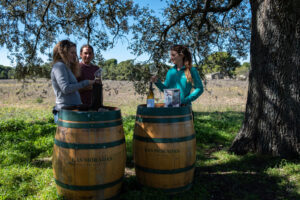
x,y
84,107
142,109
88,187
73,113
165,171
165,140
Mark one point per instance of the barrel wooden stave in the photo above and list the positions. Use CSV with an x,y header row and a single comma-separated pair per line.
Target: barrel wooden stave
x,y
86,167
169,130
108,193
169,156
89,163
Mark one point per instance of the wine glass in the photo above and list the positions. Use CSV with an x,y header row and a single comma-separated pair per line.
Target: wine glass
x,y
103,73
153,69
98,73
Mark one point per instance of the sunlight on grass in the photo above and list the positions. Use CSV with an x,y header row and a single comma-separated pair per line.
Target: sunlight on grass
x,y
26,114
220,157
25,182
290,170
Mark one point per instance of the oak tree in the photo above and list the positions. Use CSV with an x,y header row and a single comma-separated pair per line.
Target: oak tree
x,y
272,117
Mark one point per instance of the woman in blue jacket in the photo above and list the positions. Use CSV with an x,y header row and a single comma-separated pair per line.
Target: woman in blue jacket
x,y
182,76
64,71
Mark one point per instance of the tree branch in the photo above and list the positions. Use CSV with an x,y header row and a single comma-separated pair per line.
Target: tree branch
x,y
40,28
198,10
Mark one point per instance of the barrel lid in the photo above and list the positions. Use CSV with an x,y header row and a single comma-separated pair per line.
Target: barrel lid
x,y
159,110
76,114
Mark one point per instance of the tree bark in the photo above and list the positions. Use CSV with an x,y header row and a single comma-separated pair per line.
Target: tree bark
x,y
272,117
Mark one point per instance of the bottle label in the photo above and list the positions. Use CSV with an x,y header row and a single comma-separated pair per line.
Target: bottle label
x,y
150,103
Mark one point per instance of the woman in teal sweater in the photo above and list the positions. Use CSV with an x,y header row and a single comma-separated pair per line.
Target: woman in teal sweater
x,y
182,76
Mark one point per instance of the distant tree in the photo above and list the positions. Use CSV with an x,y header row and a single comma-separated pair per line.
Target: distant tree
x,y
246,65
139,74
128,70
112,62
3,75
11,73
6,72
123,70
109,68
44,70
243,70
221,62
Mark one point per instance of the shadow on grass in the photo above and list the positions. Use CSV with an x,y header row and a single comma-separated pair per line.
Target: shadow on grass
x,y
246,178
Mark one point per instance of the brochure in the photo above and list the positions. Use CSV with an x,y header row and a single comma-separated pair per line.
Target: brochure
x,y
172,97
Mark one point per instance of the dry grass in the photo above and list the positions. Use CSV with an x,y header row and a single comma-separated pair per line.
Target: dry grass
x,y
219,95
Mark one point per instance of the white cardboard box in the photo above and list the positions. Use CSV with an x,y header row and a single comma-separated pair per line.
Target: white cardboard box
x,y
172,97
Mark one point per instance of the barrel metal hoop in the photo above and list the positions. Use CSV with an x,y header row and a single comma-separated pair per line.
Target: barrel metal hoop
x,y
165,140
160,171
89,125
142,110
164,120
173,190
89,146
88,187
84,116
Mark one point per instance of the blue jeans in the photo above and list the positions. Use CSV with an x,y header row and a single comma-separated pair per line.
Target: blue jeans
x,y
55,115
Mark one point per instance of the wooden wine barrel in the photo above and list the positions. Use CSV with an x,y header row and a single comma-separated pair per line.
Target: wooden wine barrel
x,y
164,148
89,154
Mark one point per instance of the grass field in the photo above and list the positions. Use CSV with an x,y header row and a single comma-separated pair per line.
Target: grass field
x,y
27,131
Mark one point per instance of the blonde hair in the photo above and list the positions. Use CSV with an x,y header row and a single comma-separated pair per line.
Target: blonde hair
x,y
187,60
60,54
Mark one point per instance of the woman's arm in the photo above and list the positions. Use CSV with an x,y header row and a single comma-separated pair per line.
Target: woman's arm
x,y
161,86
61,75
198,87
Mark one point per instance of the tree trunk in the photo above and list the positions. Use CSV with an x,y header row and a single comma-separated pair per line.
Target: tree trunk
x,y
272,116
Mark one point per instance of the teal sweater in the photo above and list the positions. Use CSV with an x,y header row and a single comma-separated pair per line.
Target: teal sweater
x,y
177,79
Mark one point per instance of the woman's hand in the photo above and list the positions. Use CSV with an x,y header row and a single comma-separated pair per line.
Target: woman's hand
x,y
91,82
99,81
153,79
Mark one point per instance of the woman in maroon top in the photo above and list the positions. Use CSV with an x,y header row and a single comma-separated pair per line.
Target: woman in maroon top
x,y
87,72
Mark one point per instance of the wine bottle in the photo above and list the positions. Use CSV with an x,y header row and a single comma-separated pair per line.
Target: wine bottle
x,y
97,96
150,97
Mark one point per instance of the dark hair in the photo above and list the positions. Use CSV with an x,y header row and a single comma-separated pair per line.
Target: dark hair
x,y
187,59
86,46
